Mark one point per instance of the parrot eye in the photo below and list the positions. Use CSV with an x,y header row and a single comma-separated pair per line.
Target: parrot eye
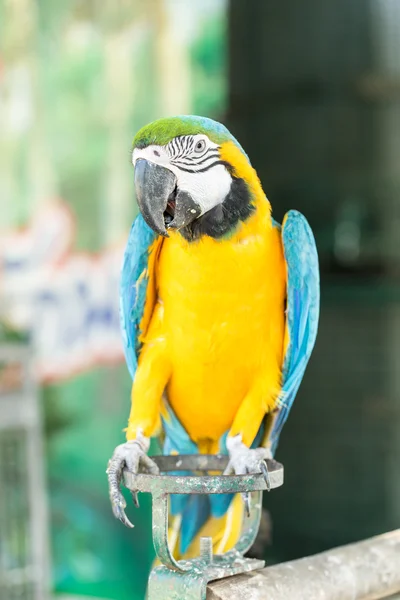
x,y
200,146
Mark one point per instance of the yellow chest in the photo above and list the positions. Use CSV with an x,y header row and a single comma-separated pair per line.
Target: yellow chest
x,y
223,318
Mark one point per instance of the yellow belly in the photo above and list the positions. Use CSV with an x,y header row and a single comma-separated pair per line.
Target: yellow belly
x,y
223,318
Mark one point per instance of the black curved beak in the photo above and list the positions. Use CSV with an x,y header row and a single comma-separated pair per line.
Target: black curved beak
x,y
154,186
162,205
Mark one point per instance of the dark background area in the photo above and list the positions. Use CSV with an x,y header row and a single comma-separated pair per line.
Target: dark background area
x,y
314,99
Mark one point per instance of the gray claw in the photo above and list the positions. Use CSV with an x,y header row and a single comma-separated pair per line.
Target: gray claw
x,y
246,500
119,513
132,456
118,504
265,472
244,460
229,469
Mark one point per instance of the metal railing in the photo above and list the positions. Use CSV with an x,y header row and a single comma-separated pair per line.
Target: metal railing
x,y
24,562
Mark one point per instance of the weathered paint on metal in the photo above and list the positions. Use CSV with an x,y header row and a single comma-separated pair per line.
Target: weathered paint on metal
x,y
200,484
188,579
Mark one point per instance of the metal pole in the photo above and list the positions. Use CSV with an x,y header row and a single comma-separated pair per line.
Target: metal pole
x,y
367,570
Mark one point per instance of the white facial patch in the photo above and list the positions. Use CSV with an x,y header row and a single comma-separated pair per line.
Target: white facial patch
x,y
207,189
196,163
155,154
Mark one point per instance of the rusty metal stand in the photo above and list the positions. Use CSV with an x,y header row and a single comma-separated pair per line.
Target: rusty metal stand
x,y
188,579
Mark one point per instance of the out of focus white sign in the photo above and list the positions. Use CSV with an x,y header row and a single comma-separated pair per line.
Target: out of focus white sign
x,y
67,300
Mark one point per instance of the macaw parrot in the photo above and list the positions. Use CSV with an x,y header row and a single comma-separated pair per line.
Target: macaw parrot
x,y
219,312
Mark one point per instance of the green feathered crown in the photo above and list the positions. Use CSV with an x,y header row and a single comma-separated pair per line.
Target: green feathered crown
x,y
162,131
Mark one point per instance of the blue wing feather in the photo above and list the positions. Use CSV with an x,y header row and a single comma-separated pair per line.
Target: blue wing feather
x,y
133,288
302,311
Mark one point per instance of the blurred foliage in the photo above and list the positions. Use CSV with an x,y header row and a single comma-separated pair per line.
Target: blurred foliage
x,y
77,79
10,335
209,60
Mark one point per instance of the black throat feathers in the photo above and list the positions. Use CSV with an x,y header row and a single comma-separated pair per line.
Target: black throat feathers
x,y
223,218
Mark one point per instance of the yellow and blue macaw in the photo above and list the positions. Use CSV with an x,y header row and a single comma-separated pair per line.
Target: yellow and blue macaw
x,y
219,312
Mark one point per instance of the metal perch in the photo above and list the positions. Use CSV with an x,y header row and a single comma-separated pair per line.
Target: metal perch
x,y
175,580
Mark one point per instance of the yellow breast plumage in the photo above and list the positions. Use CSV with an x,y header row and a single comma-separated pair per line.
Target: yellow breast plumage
x,y
223,320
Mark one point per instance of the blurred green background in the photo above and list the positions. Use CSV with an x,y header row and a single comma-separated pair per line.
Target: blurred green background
x,y
311,91
77,80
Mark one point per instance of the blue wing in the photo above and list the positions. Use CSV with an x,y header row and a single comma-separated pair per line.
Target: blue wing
x,y
302,311
133,288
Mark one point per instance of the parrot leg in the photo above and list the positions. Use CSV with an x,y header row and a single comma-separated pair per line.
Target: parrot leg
x,y
150,381
244,460
131,455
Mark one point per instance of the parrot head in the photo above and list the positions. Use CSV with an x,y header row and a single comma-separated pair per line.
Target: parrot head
x,y
192,175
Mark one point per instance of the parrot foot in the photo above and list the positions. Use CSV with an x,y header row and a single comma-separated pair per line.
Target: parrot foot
x,y
131,455
244,461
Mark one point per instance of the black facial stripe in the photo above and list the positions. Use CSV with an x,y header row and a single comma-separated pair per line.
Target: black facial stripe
x,y
178,147
194,160
180,142
175,147
204,169
206,151
181,146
